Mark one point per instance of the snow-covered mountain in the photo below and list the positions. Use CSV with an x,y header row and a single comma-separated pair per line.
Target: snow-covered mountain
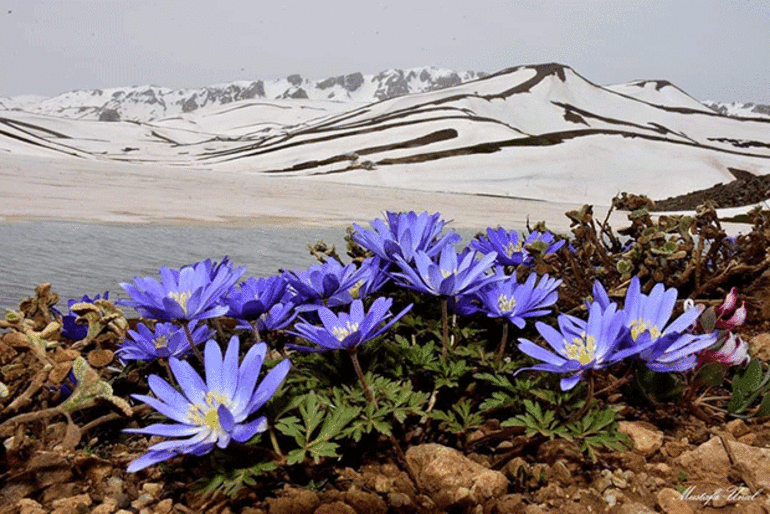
x,y
739,110
148,103
539,132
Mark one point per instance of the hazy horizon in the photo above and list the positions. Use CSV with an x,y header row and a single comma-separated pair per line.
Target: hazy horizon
x,y
711,49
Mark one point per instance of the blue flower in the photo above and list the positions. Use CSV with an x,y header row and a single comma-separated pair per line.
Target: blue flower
x,y
321,284
193,292
579,345
347,331
369,278
212,412
510,251
277,318
254,297
515,302
168,340
404,235
452,275
665,346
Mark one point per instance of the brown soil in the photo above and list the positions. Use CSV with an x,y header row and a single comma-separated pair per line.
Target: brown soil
x,y
47,470
746,189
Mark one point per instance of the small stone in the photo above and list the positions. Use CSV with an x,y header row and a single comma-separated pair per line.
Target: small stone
x,y
737,428
100,358
759,346
153,489
335,508
560,472
108,507
72,503
164,506
748,439
646,438
143,500
670,501
635,508
399,500
390,470
366,502
618,480
28,506
382,484
612,496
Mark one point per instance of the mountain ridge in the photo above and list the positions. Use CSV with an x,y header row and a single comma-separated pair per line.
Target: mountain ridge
x,y
150,102
525,132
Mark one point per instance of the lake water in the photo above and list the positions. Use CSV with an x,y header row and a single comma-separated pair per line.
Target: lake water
x,y
90,258
85,258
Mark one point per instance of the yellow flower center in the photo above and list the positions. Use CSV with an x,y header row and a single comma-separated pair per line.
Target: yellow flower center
x,y
161,342
206,414
355,289
511,248
505,303
639,327
448,273
180,298
582,349
342,332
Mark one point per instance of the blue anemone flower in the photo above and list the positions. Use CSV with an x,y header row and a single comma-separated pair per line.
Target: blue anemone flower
x,y
514,301
195,291
168,340
212,412
451,275
510,251
579,345
254,297
347,331
277,318
404,234
665,346
321,284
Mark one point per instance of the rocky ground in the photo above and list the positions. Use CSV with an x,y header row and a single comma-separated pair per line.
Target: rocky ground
x,y
679,464
746,189
683,458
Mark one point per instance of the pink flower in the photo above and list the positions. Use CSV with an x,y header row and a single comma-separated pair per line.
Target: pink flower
x,y
733,352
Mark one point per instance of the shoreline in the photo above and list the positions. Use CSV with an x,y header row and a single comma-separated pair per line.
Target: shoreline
x,y
122,193
110,192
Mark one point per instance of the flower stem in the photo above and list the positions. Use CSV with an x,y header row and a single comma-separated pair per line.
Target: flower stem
x,y
445,325
195,349
501,346
589,398
353,352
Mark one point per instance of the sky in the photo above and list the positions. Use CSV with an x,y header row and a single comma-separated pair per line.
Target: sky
x,y
712,49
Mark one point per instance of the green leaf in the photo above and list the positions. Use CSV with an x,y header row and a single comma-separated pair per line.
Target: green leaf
x,y
711,375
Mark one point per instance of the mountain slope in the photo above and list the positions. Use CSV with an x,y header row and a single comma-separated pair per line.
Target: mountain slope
x,y
148,103
541,132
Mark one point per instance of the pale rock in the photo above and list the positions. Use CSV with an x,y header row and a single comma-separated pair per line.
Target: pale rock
x,y
710,459
108,507
335,508
759,346
647,440
28,506
164,506
443,469
72,503
153,489
670,501
737,428
635,508
142,501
